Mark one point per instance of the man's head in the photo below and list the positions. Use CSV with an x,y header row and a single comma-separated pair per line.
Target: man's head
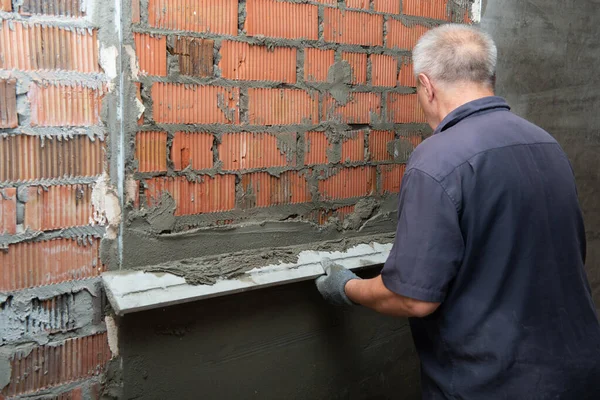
x,y
454,64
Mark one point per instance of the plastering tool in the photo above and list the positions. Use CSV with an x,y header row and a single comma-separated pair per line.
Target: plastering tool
x,y
131,291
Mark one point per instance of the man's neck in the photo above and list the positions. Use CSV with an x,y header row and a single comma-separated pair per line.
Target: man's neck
x,y
460,94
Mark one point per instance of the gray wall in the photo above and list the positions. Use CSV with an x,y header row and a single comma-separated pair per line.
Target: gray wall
x,y
284,342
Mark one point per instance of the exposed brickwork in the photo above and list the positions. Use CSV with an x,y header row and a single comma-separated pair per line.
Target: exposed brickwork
x,y
358,63
192,150
195,56
8,211
378,145
151,151
240,151
218,16
436,9
8,103
360,109
400,36
406,77
404,108
391,177
66,8
316,147
65,105
31,264
317,63
383,70
241,61
352,27
262,189
56,364
152,53
353,147
282,106
281,19
343,183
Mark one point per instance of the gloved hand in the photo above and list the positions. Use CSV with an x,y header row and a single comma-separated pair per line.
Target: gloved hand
x,y
332,284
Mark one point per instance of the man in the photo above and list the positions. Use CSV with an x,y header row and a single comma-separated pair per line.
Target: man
x,y
489,254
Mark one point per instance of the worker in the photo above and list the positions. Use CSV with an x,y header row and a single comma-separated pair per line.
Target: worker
x,y
489,253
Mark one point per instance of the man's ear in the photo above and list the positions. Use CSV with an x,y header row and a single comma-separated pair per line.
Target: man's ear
x,y
427,86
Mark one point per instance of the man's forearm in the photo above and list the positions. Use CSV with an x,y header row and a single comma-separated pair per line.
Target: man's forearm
x,y
373,294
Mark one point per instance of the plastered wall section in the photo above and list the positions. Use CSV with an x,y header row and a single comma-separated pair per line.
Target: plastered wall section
x,y
57,203
268,123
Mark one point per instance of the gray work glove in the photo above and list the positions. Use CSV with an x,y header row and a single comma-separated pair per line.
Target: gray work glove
x,y
332,284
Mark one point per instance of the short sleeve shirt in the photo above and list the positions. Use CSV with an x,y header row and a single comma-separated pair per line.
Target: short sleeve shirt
x,y
489,225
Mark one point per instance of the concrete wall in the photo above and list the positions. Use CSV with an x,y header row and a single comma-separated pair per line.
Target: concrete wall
x,y
284,342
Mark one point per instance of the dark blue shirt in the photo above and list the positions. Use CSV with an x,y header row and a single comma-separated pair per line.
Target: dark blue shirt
x,y
489,225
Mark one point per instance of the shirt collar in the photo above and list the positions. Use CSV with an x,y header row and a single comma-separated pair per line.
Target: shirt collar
x,y
470,108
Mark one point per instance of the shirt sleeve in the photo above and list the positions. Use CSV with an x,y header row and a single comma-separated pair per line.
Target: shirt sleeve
x,y
429,245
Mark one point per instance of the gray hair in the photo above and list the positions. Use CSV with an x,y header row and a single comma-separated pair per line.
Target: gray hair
x,y
455,53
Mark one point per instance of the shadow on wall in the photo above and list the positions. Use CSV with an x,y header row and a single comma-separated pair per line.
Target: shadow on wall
x,y
548,53
280,343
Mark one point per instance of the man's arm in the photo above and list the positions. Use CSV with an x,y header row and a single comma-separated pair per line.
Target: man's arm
x,y
342,287
373,294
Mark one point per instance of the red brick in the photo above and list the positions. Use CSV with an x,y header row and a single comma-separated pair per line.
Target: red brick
x,y
406,76
317,63
414,138
383,70
33,47
263,190
241,61
65,8
353,147
5,5
316,147
56,207
206,196
358,63
195,56
77,393
360,108
352,27
151,151
378,142
194,104
151,51
345,183
436,9
192,149
404,108
403,37
31,264
8,211
322,216
135,12
215,16
391,177
282,106
8,103
65,105
57,363
24,157
246,150
362,4
387,6
327,1
281,19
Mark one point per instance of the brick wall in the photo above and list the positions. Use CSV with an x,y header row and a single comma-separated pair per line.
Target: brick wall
x,y
271,103
53,338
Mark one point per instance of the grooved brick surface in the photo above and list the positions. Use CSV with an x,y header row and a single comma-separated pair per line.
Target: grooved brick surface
x,y
215,16
404,108
151,52
24,157
383,70
65,105
32,47
195,56
5,5
193,150
361,108
317,63
358,64
352,27
241,61
60,206
245,150
316,147
194,104
406,76
66,8
31,264
344,183
199,197
282,106
57,363
378,142
151,151
400,36
8,103
8,211
388,6
262,189
436,9
391,177
353,147
280,19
